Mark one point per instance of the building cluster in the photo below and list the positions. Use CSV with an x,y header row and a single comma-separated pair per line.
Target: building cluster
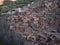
x,y
35,24
27,24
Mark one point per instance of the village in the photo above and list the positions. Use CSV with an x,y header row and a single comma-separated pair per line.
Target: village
x,y
37,23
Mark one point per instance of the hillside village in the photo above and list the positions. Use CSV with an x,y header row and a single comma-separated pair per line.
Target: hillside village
x,y
37,23
33,24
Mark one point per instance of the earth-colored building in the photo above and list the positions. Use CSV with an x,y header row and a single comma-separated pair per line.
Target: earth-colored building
x,y
2,1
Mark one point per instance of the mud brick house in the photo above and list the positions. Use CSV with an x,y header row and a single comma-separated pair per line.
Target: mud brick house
x,y
5,1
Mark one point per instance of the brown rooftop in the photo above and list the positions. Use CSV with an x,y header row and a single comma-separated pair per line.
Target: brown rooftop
x,y
2,1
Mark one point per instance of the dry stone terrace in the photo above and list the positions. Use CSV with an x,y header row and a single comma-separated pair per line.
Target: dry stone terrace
x,y
37,24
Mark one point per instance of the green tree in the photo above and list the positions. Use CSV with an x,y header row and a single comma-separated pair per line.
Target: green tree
x,y
4,8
